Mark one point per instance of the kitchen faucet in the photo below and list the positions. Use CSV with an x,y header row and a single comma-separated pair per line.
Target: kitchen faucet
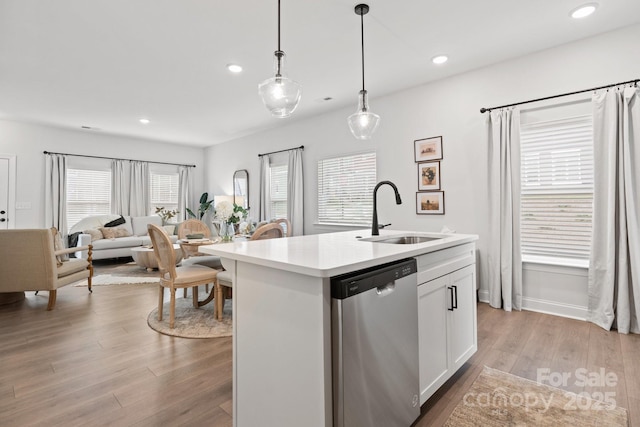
x,y
374,222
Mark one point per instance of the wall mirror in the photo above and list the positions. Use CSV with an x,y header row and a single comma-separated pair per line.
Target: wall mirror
x,y
241,188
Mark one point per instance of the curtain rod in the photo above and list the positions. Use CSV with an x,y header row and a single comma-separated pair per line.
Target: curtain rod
x,y
484,110
115,158
282,151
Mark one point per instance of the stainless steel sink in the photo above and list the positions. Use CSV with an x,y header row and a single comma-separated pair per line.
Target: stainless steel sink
x,y
404,240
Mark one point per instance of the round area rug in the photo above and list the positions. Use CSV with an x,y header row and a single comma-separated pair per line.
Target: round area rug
x,y
192,322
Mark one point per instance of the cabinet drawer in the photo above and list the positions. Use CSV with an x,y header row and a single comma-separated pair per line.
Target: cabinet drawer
x,y
439,263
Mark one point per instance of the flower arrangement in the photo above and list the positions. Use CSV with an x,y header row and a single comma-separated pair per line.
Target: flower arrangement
x,y
230,213
165,214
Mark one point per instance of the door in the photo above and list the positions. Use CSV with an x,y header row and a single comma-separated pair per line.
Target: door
x,y
432,330
462,326
7,165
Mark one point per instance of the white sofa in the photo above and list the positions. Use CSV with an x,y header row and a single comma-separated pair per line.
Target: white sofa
x,y
119,246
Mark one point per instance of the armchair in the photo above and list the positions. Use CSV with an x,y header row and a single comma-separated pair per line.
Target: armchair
x,y
28,263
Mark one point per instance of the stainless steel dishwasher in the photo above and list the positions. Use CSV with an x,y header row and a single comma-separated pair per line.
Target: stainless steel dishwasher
x,y
375,346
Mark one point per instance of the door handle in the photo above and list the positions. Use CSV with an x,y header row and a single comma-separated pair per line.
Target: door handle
x,y
2,212
455,290
2,219
452,303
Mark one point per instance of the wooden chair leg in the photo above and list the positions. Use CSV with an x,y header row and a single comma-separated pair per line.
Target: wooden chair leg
x,y
172,308
184,295
52,299
160,302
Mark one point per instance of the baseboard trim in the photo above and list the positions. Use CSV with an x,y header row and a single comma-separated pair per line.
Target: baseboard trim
x,y
570,311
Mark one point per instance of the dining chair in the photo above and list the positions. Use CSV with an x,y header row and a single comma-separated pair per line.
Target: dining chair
x,y
172,277
285,224
223,279
193,226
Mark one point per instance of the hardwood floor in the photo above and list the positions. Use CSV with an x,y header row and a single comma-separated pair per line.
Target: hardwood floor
x,y
93,361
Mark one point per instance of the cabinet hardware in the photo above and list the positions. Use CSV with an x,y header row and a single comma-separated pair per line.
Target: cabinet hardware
x,y
452,303
455,290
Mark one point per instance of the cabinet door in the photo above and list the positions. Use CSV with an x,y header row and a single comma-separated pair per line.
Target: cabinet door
x,y
432,336
462,320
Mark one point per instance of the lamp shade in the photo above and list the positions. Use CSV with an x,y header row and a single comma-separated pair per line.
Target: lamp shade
x,y
363,123
280,94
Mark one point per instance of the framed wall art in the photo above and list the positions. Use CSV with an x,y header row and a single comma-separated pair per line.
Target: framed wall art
x,y
428,176
428,149
430,203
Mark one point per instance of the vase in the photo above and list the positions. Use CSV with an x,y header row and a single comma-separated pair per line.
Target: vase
x,y
226,232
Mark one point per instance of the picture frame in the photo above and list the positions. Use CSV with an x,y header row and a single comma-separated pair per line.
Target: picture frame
x,y
430,203
428,149
428,176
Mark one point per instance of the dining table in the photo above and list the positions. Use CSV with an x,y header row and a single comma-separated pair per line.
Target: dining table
x,y
190,248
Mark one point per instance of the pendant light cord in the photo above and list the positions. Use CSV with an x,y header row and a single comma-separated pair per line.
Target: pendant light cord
x,y
362,44
278,25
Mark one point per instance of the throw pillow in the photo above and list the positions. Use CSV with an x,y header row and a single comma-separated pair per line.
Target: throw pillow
x,y
114,232
115,222
94,233
58,244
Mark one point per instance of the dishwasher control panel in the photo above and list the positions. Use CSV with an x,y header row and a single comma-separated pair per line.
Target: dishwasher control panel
x,y
356,282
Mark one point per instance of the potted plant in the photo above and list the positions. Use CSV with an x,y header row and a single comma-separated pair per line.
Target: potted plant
x,y
205,206
166,215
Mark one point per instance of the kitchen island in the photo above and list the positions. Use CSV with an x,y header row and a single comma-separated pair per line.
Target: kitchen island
x,y
282,369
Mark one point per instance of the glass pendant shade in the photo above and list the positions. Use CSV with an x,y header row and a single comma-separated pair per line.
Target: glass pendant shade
x,y
363,123
280,94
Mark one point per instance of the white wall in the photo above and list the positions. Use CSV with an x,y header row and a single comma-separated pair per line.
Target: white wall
x,y
28,141
449,108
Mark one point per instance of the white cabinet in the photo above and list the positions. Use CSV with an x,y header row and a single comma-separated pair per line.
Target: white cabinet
x,y
447,329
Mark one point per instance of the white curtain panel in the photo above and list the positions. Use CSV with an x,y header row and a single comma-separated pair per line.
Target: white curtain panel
x,y
184,191
119,187
56,192
614,266
504,259
295,192
139,189
265,190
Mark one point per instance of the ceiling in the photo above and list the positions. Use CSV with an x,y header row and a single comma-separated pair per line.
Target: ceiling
x,y
105,64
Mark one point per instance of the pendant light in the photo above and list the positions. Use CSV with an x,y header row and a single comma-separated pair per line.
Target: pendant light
x,y
363,122
280,94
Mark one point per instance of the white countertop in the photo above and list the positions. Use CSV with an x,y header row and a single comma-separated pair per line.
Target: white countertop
x,y
331,254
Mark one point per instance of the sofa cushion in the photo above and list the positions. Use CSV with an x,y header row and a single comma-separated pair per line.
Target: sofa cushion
x,y
72,266
120,242
139,224
95,234
94,221
114,232
58,245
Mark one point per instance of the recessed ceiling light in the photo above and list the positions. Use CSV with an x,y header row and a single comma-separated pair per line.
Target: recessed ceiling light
x,y
144,121
234,68
584,10
440,59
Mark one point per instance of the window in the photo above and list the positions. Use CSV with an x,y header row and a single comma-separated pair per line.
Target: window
x,y
88,193
163,191
557,188
279,190
345,188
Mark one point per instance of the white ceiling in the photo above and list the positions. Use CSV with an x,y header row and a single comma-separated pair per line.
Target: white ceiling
x,y
107,63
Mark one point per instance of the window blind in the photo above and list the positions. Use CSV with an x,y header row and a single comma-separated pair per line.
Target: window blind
x,y
345,189
557,187
279,191
163,191
88,193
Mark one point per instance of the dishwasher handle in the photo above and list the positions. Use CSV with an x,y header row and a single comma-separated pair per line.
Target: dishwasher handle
x,y
386,289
